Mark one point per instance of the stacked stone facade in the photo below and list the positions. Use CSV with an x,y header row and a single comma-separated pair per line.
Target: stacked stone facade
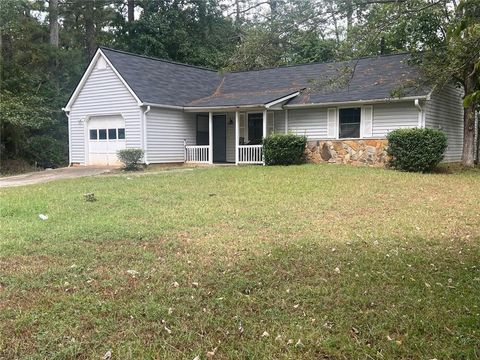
x,y
356,152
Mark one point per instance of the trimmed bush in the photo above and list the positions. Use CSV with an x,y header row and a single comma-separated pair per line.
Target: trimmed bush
x,y
130,158
284,149
417,150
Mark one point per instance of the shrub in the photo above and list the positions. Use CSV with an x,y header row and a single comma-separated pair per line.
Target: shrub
x,y
130,158
46,151
281,149
419,150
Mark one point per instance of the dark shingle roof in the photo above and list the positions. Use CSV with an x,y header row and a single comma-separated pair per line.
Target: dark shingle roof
x,y
164,82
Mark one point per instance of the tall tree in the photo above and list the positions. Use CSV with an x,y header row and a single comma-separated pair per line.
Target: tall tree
x,y
53,22
131,10
90,36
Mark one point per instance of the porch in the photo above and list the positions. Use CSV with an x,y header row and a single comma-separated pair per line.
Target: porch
x,y
229,137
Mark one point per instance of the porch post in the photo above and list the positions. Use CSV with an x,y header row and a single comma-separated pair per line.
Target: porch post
x,y
264,133
210,137
286,121
237,132
264,123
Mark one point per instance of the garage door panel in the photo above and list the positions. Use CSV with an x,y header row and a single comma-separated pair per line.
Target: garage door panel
x,y
106,137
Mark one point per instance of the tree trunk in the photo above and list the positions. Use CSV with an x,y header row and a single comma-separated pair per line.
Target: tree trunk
x,y
131,10
477,161
470,86
53,20
90,41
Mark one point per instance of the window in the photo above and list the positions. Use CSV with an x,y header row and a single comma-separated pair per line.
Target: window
x,y
255,128
121,133
349,120
112,134
202,129
102,134
93,134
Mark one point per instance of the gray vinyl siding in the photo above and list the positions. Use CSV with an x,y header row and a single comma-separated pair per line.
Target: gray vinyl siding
x,y
103,94
445,111
279,122
230,140
166,131
309,122
391,116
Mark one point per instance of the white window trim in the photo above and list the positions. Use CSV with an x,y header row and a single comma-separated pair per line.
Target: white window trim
x,y
362,110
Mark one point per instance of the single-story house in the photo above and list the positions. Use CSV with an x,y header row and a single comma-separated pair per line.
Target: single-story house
x,y
182,113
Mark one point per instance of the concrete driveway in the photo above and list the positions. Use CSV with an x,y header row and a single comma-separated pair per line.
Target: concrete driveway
x,y
54,174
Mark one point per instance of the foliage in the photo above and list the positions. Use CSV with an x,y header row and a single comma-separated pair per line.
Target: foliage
x,y
259,256
417,150
284,149
46,151
131,158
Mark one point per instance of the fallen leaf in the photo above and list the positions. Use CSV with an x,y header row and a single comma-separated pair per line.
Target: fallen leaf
x,y
108,355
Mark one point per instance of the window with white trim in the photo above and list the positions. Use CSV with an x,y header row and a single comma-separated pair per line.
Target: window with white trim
x,y
349,123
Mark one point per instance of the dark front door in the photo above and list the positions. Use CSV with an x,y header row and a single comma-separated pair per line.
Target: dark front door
x,y
219,138
255,128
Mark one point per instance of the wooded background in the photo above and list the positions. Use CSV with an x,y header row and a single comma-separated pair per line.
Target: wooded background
x,y
46,46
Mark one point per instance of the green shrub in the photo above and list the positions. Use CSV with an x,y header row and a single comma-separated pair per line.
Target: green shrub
x,y
46,151
281,149
419,150
130,158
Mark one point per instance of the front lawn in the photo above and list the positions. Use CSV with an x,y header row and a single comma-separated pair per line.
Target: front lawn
x,y
307,262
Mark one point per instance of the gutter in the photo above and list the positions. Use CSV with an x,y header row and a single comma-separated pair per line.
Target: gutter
x,y
172,107
371,101
222,108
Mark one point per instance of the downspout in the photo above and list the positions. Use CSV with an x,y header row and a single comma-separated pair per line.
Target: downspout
x,y
147,110
421,124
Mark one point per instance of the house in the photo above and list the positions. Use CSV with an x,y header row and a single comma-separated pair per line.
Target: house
x,y
181,113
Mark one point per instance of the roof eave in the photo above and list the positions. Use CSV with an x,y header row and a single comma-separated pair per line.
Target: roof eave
x,y
223,108
352,102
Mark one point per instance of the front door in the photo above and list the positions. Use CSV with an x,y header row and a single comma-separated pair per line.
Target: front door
x,y
255,129
219,138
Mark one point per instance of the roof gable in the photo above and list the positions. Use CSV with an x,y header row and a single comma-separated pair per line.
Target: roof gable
x,y
97,58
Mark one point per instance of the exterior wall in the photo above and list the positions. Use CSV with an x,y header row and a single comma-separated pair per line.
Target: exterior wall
x,y
313,122
230,140
279,121
395,115
103,94
445,111
166,131
310,122
354,152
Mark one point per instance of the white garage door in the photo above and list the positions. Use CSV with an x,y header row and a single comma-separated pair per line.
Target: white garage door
x,y
106,135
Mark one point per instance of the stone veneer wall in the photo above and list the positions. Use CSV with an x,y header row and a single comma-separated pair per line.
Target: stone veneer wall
x,y
356,152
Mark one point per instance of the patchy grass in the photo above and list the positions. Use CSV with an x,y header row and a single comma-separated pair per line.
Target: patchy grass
x,y
332,262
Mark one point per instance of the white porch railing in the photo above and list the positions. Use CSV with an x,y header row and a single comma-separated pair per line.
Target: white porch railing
x,y
196,153
250,154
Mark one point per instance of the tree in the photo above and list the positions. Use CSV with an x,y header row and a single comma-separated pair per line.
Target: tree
x,y
53,20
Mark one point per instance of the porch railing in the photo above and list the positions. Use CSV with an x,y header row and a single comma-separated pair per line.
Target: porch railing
x,y
196,153
250,154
